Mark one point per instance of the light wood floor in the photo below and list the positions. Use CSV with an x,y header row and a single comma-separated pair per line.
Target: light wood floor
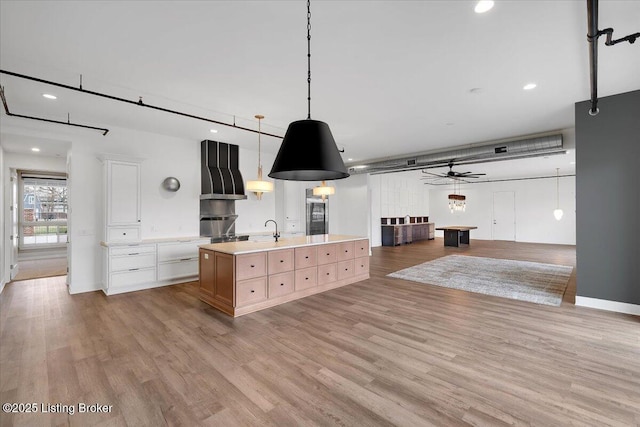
x,y
380,352
46,267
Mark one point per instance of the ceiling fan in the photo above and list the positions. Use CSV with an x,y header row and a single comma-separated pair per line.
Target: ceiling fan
x,y
453,174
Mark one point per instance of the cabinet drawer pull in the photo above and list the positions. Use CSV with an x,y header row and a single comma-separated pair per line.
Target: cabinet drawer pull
x,y
124,234
252,265
281,284
185,259
134,269
346,269
135,253
281,260
252,291
306,257
346,251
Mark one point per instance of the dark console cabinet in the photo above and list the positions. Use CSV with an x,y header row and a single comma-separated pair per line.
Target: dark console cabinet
x,y
397,231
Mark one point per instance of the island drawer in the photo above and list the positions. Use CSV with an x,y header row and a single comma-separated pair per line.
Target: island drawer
x,y
281,284
361,248
251,265
306,256
327,273
306,278
327,253
251,291
280,261
361,266
346,250
345,269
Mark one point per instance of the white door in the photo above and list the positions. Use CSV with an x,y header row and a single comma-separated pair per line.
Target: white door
x,y
504,215
15,237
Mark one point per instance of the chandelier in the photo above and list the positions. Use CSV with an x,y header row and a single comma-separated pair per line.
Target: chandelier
x,y
457,202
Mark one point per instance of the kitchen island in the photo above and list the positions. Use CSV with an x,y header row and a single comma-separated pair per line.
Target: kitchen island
x,y
242,277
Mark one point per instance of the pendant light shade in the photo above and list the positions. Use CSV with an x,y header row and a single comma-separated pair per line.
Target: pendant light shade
x,y
259,186
308,153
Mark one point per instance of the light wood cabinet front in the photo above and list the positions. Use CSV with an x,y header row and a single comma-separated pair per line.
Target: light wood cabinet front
x,y
280,261
251,291
306,257
281,284
361,265
251,265
345,269
361,248
207,273
345,250
327,253
306,278
327,273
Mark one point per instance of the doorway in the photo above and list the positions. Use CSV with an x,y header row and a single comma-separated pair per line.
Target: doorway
x,y
39,225
504,216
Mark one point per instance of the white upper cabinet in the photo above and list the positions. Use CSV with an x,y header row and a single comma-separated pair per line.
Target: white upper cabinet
x,y
122,191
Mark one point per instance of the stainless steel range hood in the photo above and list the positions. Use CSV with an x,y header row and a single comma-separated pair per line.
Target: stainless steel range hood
x,y
221,186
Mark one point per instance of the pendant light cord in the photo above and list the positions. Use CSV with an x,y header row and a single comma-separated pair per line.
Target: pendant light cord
x,y
557,188
308,59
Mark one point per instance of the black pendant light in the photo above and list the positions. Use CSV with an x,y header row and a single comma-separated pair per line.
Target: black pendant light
x,y
308,151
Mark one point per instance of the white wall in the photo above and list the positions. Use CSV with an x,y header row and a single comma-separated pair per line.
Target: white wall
x,y
349,208
535,201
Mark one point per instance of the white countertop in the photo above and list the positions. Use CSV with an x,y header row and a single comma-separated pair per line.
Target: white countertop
x,y
157,240
248,246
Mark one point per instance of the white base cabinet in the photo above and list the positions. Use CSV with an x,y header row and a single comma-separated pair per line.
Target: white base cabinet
x,y
136,266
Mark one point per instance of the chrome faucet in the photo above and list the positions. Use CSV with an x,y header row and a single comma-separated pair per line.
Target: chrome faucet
x,y
276,235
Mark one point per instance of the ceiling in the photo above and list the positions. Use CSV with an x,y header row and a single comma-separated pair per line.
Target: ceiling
x,y
390,77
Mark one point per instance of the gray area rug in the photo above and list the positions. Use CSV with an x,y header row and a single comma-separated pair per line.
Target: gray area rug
x,y
520,280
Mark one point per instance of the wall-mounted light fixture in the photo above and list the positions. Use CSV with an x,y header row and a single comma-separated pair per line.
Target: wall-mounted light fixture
x,y
259,186
171,184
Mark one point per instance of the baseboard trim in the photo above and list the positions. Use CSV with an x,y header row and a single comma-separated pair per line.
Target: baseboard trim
x,y
603,304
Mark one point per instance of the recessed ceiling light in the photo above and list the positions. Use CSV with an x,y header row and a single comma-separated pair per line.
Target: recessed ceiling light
x,y
36,149
360,167
572,163
349,159
214,131
483,6
529,86
49,96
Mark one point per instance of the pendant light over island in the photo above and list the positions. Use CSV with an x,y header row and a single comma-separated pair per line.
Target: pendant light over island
x,y
308,151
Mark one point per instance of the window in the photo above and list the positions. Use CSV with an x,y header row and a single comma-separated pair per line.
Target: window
x,y
43,218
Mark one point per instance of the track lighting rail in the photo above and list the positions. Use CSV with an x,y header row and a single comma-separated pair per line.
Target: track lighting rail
x,y
68,122
139,102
